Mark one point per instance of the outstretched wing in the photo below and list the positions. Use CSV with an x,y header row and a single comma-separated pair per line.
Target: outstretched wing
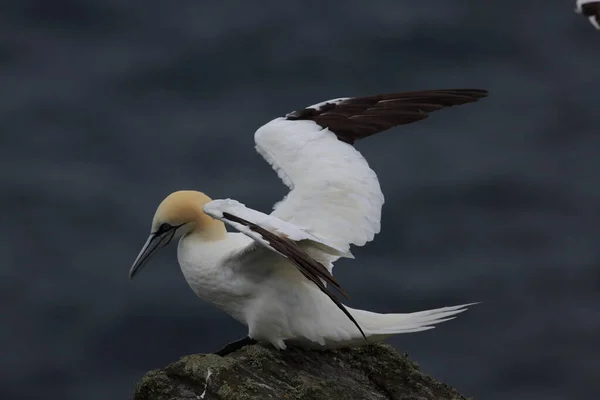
x,y
333,192
284,239
354,118
591,9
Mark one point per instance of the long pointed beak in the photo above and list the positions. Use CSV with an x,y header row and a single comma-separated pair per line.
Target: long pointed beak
x,y
154,242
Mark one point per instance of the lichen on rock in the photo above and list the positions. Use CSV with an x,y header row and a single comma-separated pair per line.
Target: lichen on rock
x,y
371,372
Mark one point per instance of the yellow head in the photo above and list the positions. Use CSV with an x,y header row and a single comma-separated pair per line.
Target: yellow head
x,y
178,214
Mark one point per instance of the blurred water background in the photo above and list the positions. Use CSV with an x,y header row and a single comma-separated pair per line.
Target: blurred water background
x,y
106,106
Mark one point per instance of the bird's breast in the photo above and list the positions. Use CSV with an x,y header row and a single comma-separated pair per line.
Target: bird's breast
x,y
205,268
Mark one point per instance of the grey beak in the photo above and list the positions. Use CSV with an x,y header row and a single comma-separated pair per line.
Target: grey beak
x,y
155,241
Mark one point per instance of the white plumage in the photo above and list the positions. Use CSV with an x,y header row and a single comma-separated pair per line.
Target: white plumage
x,y
274,274
332,189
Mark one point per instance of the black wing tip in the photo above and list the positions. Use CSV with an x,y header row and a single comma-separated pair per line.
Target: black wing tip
x,y
473,91
479,93
590,9
476,93
469,95
356,118
428,93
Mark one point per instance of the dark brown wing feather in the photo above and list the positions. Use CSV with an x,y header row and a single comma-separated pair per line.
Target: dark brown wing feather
x,y
308,266
591,9
359,117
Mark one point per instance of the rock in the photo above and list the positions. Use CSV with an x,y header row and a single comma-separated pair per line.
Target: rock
x,y
257,372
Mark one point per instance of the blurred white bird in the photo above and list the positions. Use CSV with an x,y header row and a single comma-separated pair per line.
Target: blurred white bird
x,y
591,9
275,274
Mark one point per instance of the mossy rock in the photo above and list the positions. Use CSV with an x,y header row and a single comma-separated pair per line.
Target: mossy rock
x,y
255,372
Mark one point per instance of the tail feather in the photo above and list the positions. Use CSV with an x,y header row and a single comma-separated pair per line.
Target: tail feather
x,y
337,331
390,324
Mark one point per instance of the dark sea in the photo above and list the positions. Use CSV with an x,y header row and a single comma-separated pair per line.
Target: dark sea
x,y
107,106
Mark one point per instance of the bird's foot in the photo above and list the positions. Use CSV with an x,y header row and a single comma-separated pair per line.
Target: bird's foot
x,y
235,345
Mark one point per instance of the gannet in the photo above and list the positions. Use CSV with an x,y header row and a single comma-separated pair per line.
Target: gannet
x,y
591,9
275,273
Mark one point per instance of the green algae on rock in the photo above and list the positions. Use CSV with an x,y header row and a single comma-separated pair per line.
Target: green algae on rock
x,y
255,372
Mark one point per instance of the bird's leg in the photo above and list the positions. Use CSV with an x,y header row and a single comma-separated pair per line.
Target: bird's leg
x,y
235,345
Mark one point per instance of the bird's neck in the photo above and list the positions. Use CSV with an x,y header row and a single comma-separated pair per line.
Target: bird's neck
x,y
208,229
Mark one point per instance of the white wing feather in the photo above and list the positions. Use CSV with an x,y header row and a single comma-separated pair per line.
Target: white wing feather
x,y
594,22
333,192
216,208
